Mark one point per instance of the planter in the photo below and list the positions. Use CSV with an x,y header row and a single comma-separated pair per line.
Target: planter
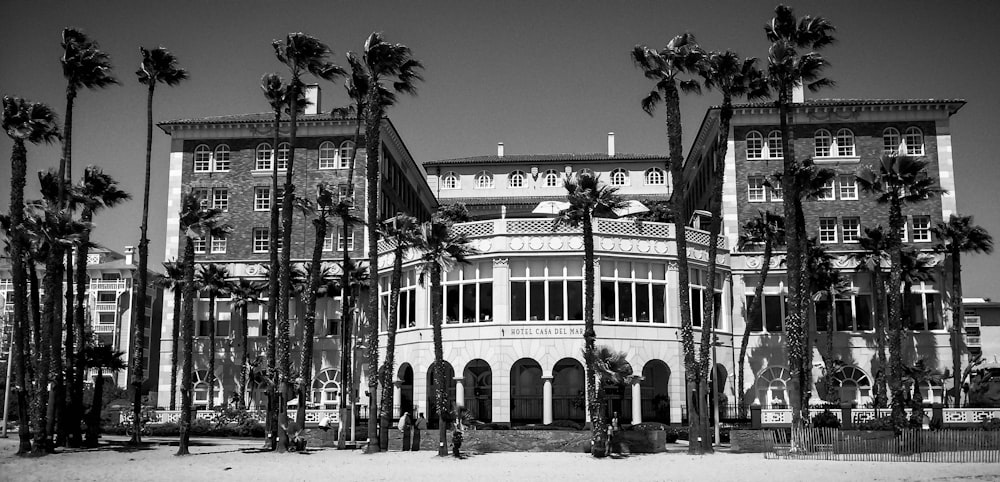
x,y
643,442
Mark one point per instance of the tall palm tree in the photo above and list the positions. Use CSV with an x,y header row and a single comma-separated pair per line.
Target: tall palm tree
x,y
244,292
402,232
102,357
767,230
734,78
589,198
873,254
956,237
158,66
388,69
95,192
303,55
788,68
916,267
195,222
826,284
441,249
173,280
611,369
898,180
682,55
212,280
24,122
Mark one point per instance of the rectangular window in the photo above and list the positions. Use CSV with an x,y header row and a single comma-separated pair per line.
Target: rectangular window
x,y
827,193
451,304
756,189
222,159
642,302
827,230
261,240
199,245
218,245
202,160
863,310
261,198
536,293
852,230
350,240
556,311
822,314
342,192
921,229
469,306
203,194
753,316
772,313
607,299
777,194
486,301
220,199
574,300
328,242
848,187
518,301
904,232
659,303
697,305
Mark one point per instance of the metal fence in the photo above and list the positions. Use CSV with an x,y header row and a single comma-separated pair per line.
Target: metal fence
x,y
957,446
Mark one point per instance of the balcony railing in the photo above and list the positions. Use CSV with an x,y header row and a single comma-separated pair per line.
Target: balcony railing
x,y
103,327
973,322
973,341
108,285
106,307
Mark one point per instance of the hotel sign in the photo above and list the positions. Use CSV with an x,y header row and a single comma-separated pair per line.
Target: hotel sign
x,y
542,331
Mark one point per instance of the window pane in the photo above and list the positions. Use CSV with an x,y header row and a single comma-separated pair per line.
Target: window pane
x,y
625,302
933,317
451,304
556,300
486,302
822,312
536,268
574,300
469,303
716,309
518,301
696,307
914,311
537,293
659,303
518,269
486,270
659,271
863,310
574,268
608,269
642,302
772,313
607,300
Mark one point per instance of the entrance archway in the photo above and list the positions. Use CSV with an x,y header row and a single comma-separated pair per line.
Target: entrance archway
x,y
405,375
655,388
478,383
526,391
568,391
449,380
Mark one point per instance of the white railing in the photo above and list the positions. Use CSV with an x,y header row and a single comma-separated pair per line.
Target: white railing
x,y
973,341
103,328
174,416
108,285
973,322
950,416
105,307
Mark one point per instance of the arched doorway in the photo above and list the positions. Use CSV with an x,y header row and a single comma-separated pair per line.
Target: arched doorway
x,y
326,390
449,380
772,387
526,391
655,388
478,383
568,391
620,397
405,375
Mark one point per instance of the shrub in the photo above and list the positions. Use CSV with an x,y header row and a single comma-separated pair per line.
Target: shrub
x,y
566,424
250,428
169,429
201,427
825,419
991,425
881,423
671,436
648,426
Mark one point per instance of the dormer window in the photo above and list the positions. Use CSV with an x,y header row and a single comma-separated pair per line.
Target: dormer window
x,y
655,177
619,177
484,180
914,141
551,178
449,181
516,180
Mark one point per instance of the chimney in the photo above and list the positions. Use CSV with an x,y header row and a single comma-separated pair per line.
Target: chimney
x,y
798,93
129,254
312,96
500,149
611,144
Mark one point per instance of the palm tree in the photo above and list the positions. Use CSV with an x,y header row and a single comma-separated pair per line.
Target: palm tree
x,y
441,250
873,254
956,237
899,180
244,292
611,369
916,267
787,68
212,280
388,69
173,280
158,66
102,357
402,233
95,192
302,54
195,222
826,284
589,198
24,122
768,230
681,56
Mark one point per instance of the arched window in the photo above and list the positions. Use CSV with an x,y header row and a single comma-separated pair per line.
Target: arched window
x,y
326,389
845,143
516,179
484,180
222,158
890,141
202,159
551,178
774,150
346,154
822,141
263,158
201,388
449,181
772,387
283,149
755,145
914,140
619,177
855,386
327,155
655,177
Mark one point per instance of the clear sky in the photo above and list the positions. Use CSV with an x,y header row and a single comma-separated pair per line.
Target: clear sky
x,y
542,77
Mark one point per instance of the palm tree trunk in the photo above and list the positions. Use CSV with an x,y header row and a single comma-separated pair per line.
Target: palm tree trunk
x,y
389,366
41,416
274,293
345,282
187,333
174,348
830,389
94,417
957,318
440,385
758,297
245,338
210,379
878,291
309,326
372,124
139,313
57,395
895,314
79,328
68,420
19,161
599,429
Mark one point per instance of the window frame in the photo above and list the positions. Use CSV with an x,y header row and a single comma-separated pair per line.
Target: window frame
x,y
202,157
618,177
753,187
774,152
200,244
256,240
550,178
222,157
843,148
484,180
518,178
215,241
345,153
340,240
330,161
262,204
924,232
655,176
854,229
262,163
820,147
286,149
451,180
220,203
826,234
829,191
853,187
891,140
918,148
754,145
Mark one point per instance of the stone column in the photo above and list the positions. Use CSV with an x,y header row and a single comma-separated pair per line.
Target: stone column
x,y
397,394
459,391
636,402
546,400
501,290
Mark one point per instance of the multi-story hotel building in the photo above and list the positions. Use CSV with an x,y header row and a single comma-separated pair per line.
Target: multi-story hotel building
x,y
514,314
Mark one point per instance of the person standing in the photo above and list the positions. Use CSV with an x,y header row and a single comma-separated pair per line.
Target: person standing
x,y
419,426
405,426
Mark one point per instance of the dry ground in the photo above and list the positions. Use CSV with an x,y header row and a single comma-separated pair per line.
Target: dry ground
x,y
219,460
